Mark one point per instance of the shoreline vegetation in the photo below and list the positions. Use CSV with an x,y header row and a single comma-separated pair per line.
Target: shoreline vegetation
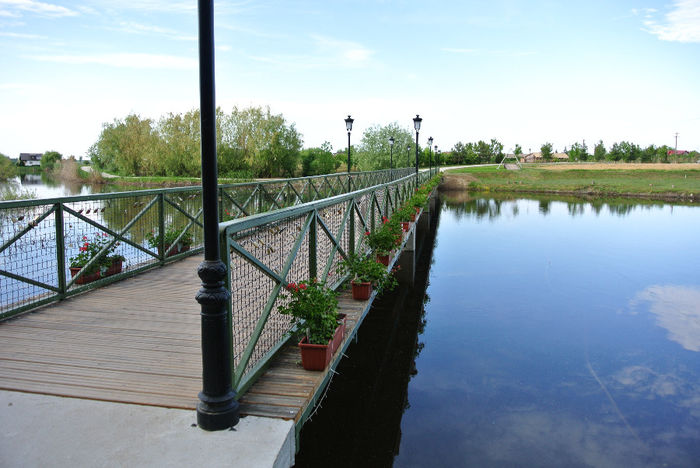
x,y
667,182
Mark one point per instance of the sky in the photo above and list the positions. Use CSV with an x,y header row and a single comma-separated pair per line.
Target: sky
x,y
523,72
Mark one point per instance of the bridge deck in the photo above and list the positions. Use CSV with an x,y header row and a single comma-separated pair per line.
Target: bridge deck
x,y
138,341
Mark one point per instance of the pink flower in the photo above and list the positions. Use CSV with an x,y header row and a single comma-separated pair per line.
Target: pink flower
x,y
366,233
302,286
84,237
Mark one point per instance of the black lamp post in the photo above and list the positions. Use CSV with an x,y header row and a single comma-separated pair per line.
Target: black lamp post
x,y
348,127
408,160
217,408
391,158
437,158
430,155
416,124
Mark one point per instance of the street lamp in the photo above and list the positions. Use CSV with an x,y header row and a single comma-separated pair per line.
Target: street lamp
x,y
408,150
348,127
391,158
416,124
430,154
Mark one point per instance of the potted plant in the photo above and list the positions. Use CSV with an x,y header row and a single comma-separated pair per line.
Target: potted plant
x,y
383,240
404,215
366,273
106,264
179,239
314,310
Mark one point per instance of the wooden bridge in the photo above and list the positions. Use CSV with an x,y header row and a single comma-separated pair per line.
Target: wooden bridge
x,y
122,343
138,340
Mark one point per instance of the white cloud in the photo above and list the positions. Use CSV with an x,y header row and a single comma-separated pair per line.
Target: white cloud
x,y
677,309
482,52
22,35
139,28
681,24
41,8
141,61
350,51
458,51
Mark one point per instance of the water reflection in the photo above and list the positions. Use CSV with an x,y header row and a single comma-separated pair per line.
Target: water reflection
x,y
559,333
475,205
677,309
44,185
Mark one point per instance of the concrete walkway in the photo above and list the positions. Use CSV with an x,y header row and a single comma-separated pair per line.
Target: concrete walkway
x,y
41,430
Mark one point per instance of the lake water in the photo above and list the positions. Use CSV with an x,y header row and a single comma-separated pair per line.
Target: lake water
x,y
551,333
44,186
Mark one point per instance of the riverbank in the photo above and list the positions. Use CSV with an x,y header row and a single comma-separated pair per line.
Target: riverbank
x,y
669,182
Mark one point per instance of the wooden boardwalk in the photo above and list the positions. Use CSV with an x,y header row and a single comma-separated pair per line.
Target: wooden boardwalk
x,y
138,341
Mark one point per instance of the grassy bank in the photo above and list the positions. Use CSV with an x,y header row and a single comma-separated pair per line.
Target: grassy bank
x,y
656,181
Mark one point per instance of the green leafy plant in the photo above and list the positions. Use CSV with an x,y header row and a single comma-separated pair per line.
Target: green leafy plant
x,y
171,235
313,307
419,199
404,213
383,240
365,269
90,249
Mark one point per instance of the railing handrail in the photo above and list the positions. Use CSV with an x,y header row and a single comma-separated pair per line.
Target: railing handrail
x,y
189,188
58,223
272,216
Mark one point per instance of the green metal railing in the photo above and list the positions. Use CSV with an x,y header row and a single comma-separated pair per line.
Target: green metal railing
x,y
39,237
265,252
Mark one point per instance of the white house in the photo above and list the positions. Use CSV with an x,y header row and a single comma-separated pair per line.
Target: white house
x,y
30,159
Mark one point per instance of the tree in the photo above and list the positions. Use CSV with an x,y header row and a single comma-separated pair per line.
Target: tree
x,y
599,152
316,161
7,169
374,151
49,160
178,151
518,150
546,150
125,146
483,150
578,151
496,150
267,144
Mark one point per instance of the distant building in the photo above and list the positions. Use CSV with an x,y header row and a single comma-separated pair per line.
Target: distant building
x,y
537,157
678,152
30,159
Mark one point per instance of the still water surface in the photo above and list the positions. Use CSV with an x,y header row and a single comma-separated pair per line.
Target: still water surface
x,y
44,185
556,334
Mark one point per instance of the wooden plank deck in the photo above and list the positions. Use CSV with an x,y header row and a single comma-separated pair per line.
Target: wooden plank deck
x,y
138,341
285,390
133,341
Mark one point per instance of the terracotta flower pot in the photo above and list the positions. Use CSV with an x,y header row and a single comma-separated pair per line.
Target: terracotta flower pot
x,y
339,334
315,357
361,291
85,278
115,268
383,259
178,249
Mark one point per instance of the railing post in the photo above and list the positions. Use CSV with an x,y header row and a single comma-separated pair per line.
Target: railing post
x,y
313,262
60,250
351,227
217,408
161,226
